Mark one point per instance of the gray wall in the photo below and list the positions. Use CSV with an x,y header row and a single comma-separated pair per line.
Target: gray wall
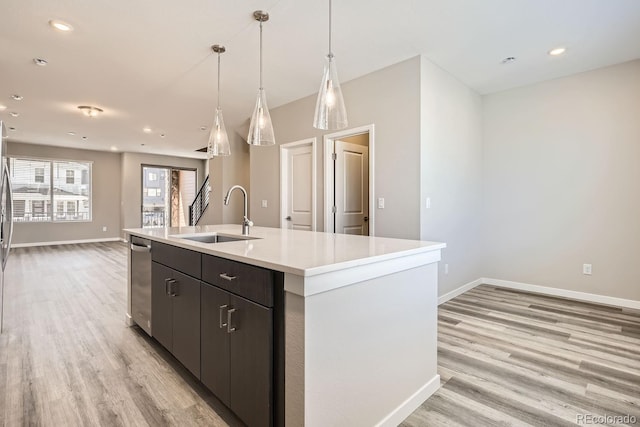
x,y
132,181
388,98
451,174
105,186
224,172
561,174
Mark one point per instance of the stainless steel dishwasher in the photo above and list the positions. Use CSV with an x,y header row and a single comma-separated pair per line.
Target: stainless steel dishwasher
x,y
141,282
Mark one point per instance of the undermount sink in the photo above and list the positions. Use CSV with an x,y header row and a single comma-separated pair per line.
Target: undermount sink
x,y
212,237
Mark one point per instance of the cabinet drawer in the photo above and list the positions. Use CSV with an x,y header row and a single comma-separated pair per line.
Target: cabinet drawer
x,y
248,281
184,260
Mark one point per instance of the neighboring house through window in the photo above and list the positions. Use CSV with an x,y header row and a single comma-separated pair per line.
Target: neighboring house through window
x,y
41,185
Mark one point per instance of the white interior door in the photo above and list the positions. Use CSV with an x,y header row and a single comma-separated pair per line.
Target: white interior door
x,y
298,184
351,188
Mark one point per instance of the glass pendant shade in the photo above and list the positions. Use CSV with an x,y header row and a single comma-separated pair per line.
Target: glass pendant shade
x,y
261,128
218,139
330,111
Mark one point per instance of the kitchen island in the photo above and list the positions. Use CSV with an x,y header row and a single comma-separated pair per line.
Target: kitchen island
x,y
359,317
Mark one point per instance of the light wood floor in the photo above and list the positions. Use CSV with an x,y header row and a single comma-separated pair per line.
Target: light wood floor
x,y
514,358
67,359
505,358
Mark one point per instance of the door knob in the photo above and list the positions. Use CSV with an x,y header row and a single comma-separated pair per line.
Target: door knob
x,y
366,218
288,218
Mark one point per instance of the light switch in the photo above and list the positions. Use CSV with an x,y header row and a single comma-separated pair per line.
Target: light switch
x,y
427,203
264,204
380,202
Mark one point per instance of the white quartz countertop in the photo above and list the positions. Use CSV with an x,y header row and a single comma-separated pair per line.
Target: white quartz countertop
x,y
303,253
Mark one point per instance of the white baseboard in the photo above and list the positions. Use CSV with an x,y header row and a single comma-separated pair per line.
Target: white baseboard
x,y
462,289
128,320
580,296
407,407
66,242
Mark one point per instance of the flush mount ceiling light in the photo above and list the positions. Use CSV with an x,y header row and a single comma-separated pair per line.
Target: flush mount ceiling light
x,y
146,130
90,111
557,51
17,97
40,62
114,148
3,107
261,128
330,111
218,144
60,25
509,60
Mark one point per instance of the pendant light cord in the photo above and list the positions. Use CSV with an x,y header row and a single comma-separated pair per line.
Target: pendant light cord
x,y
218,80
260,54
330,52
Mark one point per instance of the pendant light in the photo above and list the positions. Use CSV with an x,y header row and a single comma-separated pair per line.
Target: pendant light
x,y
261,128
330,111
218,138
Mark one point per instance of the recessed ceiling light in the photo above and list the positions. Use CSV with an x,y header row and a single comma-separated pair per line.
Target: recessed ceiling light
x,y
508,59
146,130
90,111
557,51
60,25
39,61
114,148
12,129
162,135
84,138
14,114
3,107
17,97
203,128
71,133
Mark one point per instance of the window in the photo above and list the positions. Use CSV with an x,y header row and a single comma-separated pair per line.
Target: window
x,y
39,186
39,175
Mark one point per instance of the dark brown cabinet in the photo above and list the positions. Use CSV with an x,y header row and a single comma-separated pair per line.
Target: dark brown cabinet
x,y
175,321
237,338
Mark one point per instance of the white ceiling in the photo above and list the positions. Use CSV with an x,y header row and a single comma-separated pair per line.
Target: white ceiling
x,y
149,62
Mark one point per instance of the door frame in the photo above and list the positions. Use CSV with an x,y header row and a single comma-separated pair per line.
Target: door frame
x,y
313,142
328,144
158,166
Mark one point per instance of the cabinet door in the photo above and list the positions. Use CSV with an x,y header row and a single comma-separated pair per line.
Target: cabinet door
x,y
186,321
161,305
251,364
215,341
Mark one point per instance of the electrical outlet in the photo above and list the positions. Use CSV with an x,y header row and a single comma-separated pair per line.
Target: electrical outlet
x,y
264,204
586,269
380,202
446,269
104,228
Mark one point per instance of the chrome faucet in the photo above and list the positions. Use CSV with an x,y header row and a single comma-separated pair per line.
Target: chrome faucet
x,y
246,222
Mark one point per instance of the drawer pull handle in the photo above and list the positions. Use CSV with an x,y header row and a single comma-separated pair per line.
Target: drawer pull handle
x,y
229,314
222,308
225,276
168,286
173,291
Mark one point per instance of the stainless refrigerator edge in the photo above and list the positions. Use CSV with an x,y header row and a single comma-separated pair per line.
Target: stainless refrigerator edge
x,y
6,216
